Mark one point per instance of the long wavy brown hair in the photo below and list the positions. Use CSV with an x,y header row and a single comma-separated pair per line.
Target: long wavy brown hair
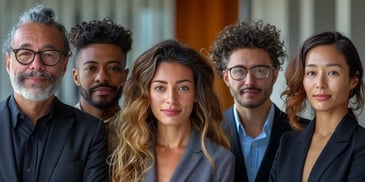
x,y
295,95
136,125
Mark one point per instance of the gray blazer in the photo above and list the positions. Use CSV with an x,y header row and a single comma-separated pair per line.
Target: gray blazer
x,y
194,166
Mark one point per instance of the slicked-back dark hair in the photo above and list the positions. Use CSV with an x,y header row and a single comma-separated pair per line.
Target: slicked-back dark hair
x,y
38,14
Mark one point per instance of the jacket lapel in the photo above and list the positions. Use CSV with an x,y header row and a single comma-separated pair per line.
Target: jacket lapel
x,y
8,170
300,150
279,126
191,157
57,137
151,175
229,126
335,146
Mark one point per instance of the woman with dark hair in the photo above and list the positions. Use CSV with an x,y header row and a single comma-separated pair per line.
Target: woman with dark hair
x,y
326,72
170,126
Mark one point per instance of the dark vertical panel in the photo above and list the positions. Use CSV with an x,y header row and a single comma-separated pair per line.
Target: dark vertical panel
x,y
324,15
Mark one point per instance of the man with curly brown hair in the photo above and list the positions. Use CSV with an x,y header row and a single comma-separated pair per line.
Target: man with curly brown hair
x,y
248,58
101,53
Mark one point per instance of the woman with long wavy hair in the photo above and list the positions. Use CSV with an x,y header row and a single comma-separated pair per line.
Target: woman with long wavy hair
x,y
170,126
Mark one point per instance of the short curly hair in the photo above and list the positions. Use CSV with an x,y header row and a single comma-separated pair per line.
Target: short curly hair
x,y
244,35
100,31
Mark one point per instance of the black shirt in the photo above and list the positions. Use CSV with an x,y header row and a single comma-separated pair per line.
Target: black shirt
x,y
29,141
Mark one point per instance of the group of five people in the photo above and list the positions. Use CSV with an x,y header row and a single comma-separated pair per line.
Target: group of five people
x,y
171,126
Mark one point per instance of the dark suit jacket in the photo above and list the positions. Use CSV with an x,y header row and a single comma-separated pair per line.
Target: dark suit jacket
x,y
75,151
279,126
194,166
342,159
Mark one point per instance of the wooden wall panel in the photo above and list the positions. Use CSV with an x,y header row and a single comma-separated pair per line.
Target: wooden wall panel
x,y
197,25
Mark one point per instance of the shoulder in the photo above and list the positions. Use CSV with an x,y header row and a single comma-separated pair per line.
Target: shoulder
x,y
288,138
4,103
359,136
228,122
67,112
228,114
217,151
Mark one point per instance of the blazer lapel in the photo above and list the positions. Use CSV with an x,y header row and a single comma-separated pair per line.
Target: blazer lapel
x,y
8,170
151,175
279,126
336,144
57,137
300,151
229,126
191,157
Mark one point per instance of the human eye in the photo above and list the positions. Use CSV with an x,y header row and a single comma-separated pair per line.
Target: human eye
x,y
239,71
159,88
115,68
24,53
260,70
49,54
184,88
310,73
333,73
90,68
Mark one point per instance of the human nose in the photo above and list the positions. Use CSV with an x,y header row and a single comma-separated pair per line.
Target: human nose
x,y
321,81
37,63
102,76
171,97
249,78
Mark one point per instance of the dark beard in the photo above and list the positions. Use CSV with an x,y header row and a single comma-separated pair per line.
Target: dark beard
x,y
102,104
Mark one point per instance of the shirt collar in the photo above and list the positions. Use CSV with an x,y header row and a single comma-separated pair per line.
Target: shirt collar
x,y
267,125
16,114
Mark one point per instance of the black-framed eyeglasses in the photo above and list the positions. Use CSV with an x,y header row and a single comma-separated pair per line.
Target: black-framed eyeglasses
x,y
240,72
26,56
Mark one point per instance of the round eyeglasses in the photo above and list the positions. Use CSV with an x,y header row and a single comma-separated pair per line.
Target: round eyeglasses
x,y
48,57
240,72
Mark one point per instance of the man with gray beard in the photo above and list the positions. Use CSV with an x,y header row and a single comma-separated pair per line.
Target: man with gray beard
x,y
248,58
42,138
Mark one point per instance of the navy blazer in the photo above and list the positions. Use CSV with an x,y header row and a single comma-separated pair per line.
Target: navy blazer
x,y
76,147
194,166
342,159
279,126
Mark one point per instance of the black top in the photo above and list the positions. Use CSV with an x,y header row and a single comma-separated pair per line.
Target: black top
x,y
29,141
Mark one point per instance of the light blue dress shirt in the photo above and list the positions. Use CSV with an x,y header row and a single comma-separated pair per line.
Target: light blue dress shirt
x,y
254,148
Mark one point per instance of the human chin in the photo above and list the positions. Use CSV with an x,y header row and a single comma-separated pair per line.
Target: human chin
x,y
98,102
35,92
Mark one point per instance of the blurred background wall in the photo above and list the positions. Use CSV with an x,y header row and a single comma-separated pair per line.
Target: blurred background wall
x,y
196,23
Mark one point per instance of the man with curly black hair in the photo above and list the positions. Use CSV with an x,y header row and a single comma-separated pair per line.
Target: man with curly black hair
x,y
101,55
248,58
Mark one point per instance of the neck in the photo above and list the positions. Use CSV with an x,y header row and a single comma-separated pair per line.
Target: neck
x,y
173,137
33,109
326,122
102,114
253,119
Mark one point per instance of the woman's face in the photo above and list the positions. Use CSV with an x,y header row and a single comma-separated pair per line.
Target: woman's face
x,y
326,79
172,94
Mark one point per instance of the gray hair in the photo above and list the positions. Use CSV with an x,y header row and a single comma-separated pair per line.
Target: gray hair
x,y
37,14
